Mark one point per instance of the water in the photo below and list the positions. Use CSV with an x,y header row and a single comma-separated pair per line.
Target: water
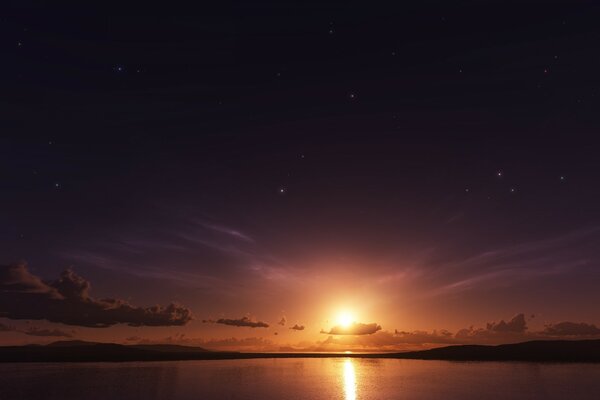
x,y
331,378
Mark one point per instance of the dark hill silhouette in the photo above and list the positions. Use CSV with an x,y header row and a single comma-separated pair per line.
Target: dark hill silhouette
x,y
170,348
71,343
78,351
541,350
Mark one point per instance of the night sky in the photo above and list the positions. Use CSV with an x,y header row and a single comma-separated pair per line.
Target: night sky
x,y
430,169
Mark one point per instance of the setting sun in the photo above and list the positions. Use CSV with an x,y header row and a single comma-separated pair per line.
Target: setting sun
x,y
345,319
291,199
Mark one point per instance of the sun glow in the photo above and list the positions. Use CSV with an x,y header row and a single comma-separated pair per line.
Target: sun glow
x,y
345,319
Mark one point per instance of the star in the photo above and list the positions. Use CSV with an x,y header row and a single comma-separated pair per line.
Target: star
x,y
499,174
352,96
282,190
512,190
562,178
57,185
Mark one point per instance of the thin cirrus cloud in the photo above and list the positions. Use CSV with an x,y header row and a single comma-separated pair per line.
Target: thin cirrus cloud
x,y
504,266
240,322
67,300
227,231
35,331
208,254
356,328
232,343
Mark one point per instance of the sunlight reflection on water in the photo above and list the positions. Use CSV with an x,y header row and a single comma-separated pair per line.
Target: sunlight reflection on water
x,y
349,380
299,379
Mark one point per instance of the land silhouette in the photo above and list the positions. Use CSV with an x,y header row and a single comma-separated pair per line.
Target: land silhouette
x,y
80,351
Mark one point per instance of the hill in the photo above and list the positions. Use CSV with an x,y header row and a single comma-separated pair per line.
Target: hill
x,y
77,351
542,351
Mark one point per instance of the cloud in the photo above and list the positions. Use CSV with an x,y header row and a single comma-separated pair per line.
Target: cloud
x,y
420,337
516,325
497,332
228,343
282,321
375,339
244,321
67,300
502,267
297,327
5,328
566,329
228,231
356,328
224,344
33,331
381,341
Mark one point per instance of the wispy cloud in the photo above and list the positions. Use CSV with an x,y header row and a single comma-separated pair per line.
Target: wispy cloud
x,y
508,265
187,251
227,231
240,322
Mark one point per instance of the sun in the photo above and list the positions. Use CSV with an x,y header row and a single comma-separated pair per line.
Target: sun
x,y
345,319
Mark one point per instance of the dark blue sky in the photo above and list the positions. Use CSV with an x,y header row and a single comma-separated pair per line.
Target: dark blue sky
x,y
209,152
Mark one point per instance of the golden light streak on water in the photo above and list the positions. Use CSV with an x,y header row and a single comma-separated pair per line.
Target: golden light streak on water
x,y
349,380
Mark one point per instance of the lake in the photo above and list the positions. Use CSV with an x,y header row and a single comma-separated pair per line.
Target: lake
x,y
327,378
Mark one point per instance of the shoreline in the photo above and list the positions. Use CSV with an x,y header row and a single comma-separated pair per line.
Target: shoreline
x,y
576,351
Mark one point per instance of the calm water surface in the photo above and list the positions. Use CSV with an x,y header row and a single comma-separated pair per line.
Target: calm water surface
x,y
332,378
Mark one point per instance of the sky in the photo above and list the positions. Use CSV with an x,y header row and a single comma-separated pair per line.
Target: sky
x,y
299,176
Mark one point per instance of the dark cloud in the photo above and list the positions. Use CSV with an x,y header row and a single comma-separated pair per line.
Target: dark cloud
x,y
33,331
356,328
251,342
67,300
282,321
297,327
244,321
5,328
516,325
419,337
232,343
571,329
494,332
497,332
